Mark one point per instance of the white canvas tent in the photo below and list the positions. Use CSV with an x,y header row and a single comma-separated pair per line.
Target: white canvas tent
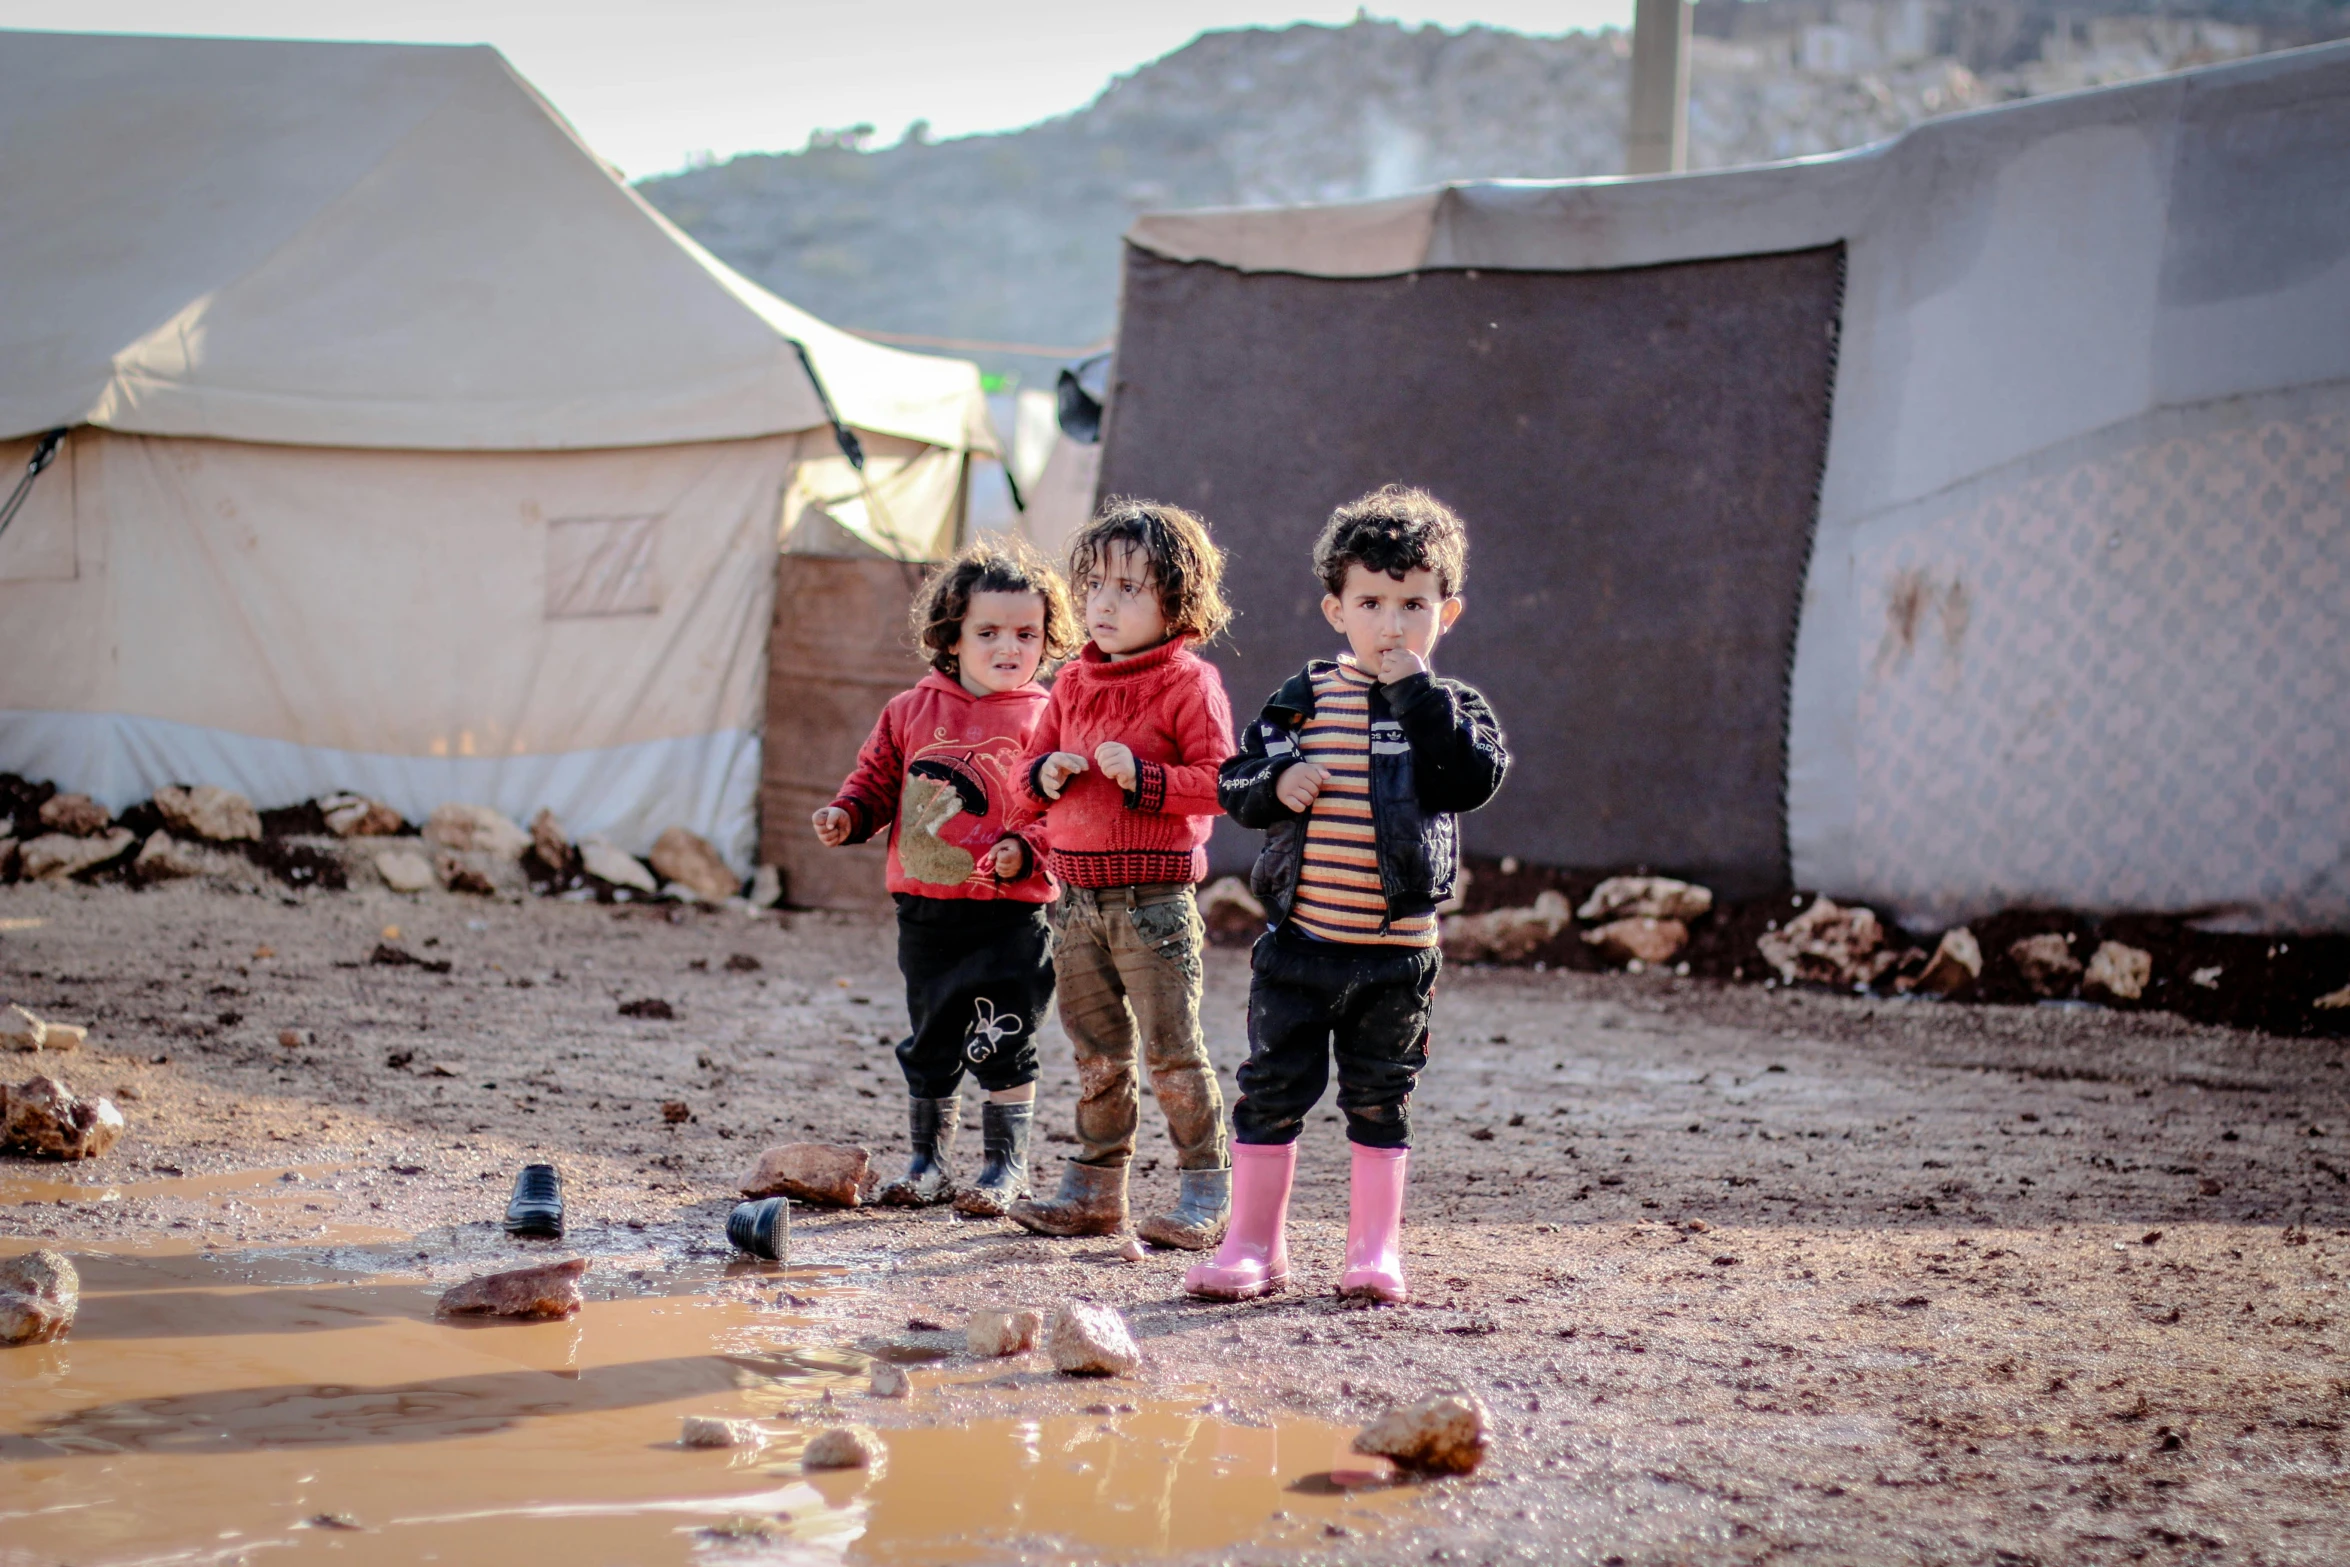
x,y
410,451
2076,625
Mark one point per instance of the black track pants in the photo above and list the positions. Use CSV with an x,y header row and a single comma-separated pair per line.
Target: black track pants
x,y
979,978
1311,1001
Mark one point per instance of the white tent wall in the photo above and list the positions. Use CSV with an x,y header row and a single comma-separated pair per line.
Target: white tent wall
x,y
2077,624
579,630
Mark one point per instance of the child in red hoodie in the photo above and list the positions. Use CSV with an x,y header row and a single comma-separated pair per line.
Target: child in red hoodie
x,y
941,773
1124,766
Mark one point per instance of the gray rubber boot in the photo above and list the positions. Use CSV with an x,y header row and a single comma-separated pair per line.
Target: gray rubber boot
x,y
1092,1201
1203,1207
1003,1178
931,1125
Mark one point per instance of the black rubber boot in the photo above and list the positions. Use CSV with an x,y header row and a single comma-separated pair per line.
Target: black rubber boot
x,y
537,1205
1003,1179
931,1125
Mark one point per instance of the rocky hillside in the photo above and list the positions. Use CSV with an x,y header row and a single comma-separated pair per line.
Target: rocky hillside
x,y
1014,237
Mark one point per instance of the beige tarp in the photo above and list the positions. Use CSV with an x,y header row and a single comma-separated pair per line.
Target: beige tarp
x,y
412,452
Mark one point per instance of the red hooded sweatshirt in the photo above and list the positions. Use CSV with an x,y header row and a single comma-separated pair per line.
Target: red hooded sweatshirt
x,y
1168,707
941,772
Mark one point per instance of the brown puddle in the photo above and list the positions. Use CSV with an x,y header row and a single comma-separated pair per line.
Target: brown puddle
x,y
211,1407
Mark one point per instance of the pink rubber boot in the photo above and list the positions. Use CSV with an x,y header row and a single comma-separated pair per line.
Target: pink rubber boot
x,y
1254,1259
1374,1221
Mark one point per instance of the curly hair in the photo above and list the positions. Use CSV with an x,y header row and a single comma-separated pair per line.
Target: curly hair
x,y
989,566
1185,565
1394,530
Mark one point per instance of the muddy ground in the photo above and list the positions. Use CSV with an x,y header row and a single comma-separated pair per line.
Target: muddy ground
x,y
1746,1276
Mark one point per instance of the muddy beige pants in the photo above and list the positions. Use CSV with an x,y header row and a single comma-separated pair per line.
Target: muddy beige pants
x,y
1127,963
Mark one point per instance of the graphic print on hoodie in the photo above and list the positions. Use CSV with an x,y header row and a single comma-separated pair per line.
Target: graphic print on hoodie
x,y
940,770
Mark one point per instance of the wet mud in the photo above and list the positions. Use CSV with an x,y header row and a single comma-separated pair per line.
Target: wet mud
x,y
1744,1276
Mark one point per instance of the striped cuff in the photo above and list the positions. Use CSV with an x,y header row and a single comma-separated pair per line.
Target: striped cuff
x,y
1150,788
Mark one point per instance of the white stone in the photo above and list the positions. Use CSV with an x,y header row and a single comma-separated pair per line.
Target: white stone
x,y
405,870
842,1447
207,811
888,1379
20,1030
766,887
550,840
476,829
1506,935
1641,940
40,1293
1827,944
165,858
74,813
2119,972
42,1116
680,856
1957,963
1089,1340
1646,897
711,1431
1446,1434
57,855
356,816
621,869
2046,963
995,1333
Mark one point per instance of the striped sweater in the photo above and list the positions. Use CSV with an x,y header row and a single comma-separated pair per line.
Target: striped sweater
x,y
1338,892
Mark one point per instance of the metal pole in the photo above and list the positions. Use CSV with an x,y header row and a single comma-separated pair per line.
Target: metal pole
x,y
1658,142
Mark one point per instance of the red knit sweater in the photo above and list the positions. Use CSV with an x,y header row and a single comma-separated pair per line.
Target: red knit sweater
x,y
939,773
1167,706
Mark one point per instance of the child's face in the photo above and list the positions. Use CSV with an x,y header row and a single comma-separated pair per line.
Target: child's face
x,y
1123,614
1003,637
1379,615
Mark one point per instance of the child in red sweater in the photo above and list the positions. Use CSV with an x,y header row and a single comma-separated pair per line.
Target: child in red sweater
x,y
1124,766
941,773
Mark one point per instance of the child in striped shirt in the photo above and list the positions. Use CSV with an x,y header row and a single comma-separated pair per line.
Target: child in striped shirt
x,y
1356,771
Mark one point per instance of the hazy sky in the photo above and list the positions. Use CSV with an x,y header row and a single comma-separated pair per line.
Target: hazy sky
x,y
652,85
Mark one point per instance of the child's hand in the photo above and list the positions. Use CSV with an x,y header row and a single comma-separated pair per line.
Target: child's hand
x,y
832,826
1056,772
1116,762
1005,859
1300,784
1400,663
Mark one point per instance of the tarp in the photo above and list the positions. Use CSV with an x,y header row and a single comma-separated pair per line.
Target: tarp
x,y
411,452
2076,619
380,245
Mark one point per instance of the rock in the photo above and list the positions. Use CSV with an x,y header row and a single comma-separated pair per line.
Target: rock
x,y
1828,944
1086,1340
690,861
55,856
887,1379
2119,973
458,873
2046,963
1230,910
77,814
1646,897
165,858
839,1174
842,1447
476,829
1957,963
1447,1434
356,816
766,887
207,811
41,1116
1644,940
550,841
1132,1251
710,1431
39,1294
606,863
1506,935
2333,1000
21,1030
996,1333
405,870
549,1290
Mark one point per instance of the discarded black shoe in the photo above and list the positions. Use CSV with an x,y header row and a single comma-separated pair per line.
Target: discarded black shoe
x,y
762,1228
537,1205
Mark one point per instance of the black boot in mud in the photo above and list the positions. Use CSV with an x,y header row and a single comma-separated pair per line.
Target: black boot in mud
x,y
931,1125
1203,1209
1003,1179
537,1205
1092,1201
